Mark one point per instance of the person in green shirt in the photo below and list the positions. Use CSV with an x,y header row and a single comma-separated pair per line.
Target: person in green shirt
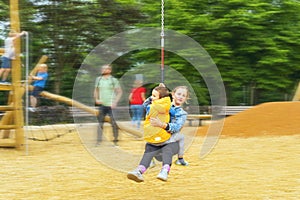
x,y
107,94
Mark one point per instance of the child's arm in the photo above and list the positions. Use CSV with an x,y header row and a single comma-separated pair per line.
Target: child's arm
x,y
177,123
39,77
174,126
147,102
19,35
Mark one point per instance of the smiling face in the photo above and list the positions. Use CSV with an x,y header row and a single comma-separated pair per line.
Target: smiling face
x,y
180,96
155,95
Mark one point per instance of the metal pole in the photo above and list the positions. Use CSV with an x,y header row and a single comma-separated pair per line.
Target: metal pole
x,y
26,90
162,42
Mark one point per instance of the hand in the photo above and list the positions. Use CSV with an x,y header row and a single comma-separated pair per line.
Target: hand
x,y
114,105
98,102
161,85
154,121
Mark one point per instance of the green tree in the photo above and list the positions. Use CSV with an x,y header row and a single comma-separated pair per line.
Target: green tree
x,y
255,44
67,31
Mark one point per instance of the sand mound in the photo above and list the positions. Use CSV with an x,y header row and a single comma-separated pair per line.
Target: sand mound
x,y
275,118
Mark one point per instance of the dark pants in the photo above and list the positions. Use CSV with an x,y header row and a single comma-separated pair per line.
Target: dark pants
x,y
36,91
103,111
161,153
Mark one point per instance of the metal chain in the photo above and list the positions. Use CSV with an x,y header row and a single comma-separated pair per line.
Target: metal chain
x,y
162,18
162,35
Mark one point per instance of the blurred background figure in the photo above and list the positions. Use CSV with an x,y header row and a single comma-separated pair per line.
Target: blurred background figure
x,y
9,55
107,94
136,99
39,83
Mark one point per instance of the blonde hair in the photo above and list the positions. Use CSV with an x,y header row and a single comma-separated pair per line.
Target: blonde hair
x,y
107,66
43,66
185,88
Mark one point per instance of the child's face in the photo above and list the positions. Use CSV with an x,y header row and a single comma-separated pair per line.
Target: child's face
x,y
179,96
155,95
43,69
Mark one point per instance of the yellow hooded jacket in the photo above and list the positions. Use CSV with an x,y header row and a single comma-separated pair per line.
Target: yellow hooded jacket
x,y
159,108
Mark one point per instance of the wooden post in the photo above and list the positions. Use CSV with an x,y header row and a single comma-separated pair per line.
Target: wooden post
x,y
297,94
8,117
16,77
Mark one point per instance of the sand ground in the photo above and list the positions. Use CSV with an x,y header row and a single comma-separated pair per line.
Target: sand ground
x,y
264,167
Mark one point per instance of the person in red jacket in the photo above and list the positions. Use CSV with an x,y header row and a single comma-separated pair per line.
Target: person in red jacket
x,y
136,99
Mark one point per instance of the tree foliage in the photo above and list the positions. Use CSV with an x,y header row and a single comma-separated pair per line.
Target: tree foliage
x,y
255,44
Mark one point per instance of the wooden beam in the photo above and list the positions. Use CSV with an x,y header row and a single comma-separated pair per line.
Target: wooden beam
x,y
297,94
16,77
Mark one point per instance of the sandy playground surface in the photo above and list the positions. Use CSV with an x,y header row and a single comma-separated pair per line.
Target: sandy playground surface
x,y
256,157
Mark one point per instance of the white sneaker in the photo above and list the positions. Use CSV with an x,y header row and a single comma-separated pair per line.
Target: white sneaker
x,y
135,175
163,175
181,162
31,109
6,83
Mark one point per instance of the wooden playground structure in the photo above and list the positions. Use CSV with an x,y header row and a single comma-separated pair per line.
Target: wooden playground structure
x,y
297,93
13,117
12,121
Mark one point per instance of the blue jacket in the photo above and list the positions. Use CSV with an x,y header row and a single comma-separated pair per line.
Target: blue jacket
x,y
41,83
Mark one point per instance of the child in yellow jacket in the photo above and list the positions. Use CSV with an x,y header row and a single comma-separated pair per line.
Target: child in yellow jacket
x,y
157,106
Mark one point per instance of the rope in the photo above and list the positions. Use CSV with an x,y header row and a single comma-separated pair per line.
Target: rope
x,y
49,132
162,42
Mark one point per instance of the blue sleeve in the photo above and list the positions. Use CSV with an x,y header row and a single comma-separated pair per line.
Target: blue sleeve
x,y
172,111
147,102
44,76
177,121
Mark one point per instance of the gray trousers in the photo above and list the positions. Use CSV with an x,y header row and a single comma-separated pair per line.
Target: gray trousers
x,y
162,153
106,110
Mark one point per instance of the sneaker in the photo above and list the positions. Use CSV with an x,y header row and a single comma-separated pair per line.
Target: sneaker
x,y
31,109
97,144
181,162
6,83
135,175
115,141
163,175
